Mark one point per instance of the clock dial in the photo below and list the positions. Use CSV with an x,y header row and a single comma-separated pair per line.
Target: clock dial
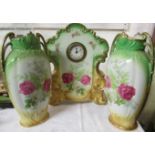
x,y
76,52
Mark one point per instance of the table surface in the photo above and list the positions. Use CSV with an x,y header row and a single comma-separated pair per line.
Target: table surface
x,y
87,117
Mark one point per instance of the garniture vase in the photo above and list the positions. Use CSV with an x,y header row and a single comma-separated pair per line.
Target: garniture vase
x,y
27,76
128,76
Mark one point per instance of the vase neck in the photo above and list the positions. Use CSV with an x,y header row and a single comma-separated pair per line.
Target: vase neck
x,y
124,43
30,41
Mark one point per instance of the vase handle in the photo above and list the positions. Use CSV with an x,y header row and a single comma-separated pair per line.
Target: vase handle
x,y
149,50
42,41
5,45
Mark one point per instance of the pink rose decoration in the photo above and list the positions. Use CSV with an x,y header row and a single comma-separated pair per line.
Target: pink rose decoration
x,y
46,85
126,92
67,77
26,88
107,81
85,80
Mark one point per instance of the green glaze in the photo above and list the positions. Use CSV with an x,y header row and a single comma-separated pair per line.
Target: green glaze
x,y
22,47
130,48
30,41
17,55
129,44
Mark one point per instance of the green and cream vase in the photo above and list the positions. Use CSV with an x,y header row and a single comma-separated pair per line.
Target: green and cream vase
x,y
128,76
28,76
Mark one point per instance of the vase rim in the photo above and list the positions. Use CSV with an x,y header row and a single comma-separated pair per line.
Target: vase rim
x,y
124,41
28,41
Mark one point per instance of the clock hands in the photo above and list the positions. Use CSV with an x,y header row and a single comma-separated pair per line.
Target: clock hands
x,y
76,50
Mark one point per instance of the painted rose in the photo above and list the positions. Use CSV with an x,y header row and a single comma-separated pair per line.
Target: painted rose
x,y
26,87
85,79
67,77
46,85
126,91
107,81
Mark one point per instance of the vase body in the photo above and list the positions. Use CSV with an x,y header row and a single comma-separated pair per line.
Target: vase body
x,y
128,77
28,76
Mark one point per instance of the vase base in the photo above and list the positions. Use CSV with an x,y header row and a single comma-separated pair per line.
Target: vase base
x,y
32,123
122,126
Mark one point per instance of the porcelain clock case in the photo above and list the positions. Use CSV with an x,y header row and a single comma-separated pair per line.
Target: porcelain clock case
x,y
128,76
28,77
76,52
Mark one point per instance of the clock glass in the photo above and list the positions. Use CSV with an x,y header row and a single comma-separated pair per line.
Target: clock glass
x,y
76,52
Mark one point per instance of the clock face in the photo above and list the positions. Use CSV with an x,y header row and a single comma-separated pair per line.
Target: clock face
x,y
76,52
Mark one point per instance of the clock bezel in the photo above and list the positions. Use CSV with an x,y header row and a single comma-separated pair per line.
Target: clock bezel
x,y
71,46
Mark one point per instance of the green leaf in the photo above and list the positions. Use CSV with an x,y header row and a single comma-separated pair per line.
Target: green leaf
x,y
80,91
29,103
70,86
120,101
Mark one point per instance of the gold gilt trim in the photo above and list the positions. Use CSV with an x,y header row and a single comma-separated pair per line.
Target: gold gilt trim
x,y
27,122
57,95
83,98
123,123
96,93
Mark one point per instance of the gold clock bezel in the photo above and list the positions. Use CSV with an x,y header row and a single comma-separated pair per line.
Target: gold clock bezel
x,y
71,46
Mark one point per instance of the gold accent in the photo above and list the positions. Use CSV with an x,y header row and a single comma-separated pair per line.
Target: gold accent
x,y
97,94
28,121
57,95
124,123
83,98
2,88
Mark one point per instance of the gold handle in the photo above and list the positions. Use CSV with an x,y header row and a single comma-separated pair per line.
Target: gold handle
x,y
149,50
4,47
10,35
42,41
